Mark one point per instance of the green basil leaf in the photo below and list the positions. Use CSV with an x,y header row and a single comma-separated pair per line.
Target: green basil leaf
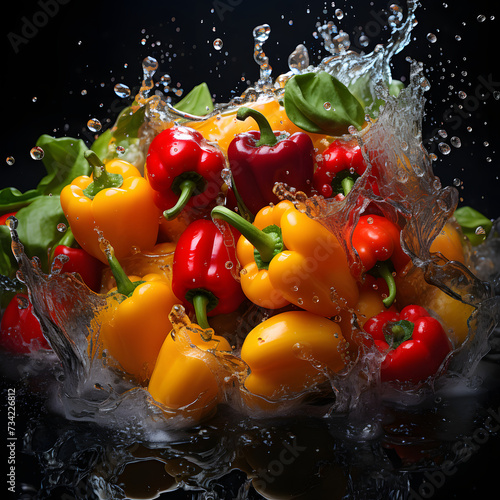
x,y
64,161
305,97
37,227
128,123
11,199
197,102
470,220
100,145
8,264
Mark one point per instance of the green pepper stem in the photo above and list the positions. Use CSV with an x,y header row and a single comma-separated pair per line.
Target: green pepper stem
x,y
267,137
267,244
200,303
124,284
383,270
68,238
187,188
102,178
347,184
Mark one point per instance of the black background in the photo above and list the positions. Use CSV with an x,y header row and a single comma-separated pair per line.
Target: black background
x,y
92,45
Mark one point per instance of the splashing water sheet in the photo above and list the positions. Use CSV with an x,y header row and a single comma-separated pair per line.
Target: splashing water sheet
x,y
84,430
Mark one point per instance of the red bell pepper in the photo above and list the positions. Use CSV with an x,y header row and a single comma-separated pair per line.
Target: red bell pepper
x,y
183,170
260,159
377,242
202,275
416,343
20,330
79,261
340,164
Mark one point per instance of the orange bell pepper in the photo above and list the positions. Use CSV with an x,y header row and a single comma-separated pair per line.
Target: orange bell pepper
x,y
288,257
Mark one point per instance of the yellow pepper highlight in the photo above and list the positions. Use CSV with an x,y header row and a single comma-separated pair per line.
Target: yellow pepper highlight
x,y
307,267
125,215
290,353
183,380
138,325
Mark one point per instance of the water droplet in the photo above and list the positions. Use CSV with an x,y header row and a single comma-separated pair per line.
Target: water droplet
x,y
298,60
120,150
496,95
36,153
83,92
327,106
166,79
458,38
462,95
444,148
369,220
480,230
442,133
122,90
34,99
431,37
94,125
10,160
481,18
228,265
61,227
457,182
364,41
339,14
218,44
455,141
300,301
315,299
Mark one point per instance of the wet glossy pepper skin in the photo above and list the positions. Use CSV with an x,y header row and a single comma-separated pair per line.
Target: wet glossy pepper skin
x,y
183,170
203,270
304,263
125,215
20,330
290,353
415,342
184,379
260,159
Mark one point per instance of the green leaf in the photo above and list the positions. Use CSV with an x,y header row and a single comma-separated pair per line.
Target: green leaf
x,y
197,102
470,220
7,261
37,227
305,97
100,145
128,123
64,161
11,199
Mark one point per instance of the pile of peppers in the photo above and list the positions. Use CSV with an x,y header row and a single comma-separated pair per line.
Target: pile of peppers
x,y
244,285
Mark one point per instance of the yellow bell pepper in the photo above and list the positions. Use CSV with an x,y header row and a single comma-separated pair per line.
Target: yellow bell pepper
x,y
137,321
288,257
116,203
184,379
290,353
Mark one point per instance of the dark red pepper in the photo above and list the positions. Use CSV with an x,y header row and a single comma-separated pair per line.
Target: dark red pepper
x,y
202,275
260,159
20,330
377,241
416,343
183,170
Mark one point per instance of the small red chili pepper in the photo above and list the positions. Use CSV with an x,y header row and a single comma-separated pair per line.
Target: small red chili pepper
x,y
338,168
20,330
377,242
260,158
416,343
201,272
183,170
